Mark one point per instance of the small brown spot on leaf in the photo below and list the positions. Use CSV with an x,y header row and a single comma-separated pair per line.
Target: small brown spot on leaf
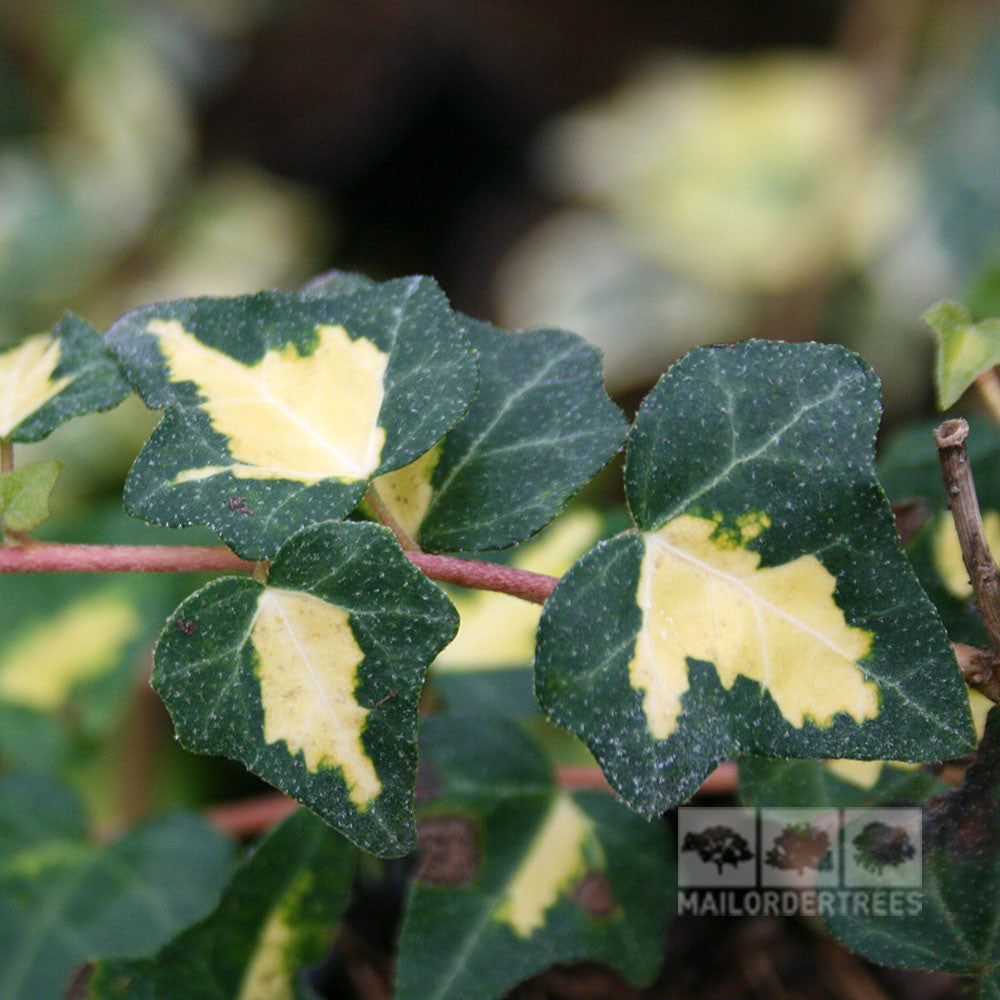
x,y
185,626
593,894
449,850
238,505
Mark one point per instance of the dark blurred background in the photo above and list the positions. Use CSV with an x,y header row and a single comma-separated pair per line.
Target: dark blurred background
x,y
651,174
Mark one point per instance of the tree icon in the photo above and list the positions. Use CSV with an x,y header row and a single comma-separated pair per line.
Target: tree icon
x,y
719,845
800,846
880,845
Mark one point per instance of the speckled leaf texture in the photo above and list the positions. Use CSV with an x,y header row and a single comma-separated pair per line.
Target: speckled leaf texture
x,y
763,605
65,899
517,875
312,681
50,377
280,408
540,427
278,915
956,928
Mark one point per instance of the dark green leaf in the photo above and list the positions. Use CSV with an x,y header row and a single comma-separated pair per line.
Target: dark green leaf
x,y
49,378
539,428
64,900
312,681
280,407
766,607
517,875
845,783
955,930
278,914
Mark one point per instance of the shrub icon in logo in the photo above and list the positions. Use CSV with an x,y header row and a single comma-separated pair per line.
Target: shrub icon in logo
x,y
880,845
719,845
800,846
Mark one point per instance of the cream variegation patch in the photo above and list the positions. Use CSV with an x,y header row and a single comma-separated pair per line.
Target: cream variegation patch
x,y
864,773
288,416
272,969
704,595
948,551
41,666
499,631
408,492
26,382
308,663
564,848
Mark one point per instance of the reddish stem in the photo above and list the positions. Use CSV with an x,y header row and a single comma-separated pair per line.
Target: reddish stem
x,y
247,818
52,557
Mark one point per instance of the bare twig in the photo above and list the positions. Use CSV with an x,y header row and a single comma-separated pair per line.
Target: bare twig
x,y
980,666
961,489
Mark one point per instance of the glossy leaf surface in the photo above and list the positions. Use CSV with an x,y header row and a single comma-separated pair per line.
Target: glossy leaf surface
x,y
764,606
312,681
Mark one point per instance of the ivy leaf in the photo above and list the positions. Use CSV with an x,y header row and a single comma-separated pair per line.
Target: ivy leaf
x,y
518,875
48,378
955,930
964,349
24,495
764,606
280,407
64,900
539,428
312,681
277,915
833,783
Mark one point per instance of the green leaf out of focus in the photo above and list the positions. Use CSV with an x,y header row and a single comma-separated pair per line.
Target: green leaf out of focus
x,y
24,495
964,349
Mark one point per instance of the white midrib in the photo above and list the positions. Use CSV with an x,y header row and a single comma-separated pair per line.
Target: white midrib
x,y
755,597
343,755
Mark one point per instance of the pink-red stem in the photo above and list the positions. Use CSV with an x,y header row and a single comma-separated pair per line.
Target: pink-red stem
x,y
52,557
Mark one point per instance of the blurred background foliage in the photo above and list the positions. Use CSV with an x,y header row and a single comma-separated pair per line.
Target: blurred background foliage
x,y
653,175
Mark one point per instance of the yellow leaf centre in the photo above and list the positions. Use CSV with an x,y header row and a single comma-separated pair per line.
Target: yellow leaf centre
x,y
26,382
288,416
82,642
704,596
554,862
308,664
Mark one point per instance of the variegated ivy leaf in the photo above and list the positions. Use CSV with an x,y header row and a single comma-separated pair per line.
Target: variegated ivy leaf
x,y
951,923
763,606
277,916
539,428
51,377
964,349
517,875
834,783
65,899
280,408
312,681
24,495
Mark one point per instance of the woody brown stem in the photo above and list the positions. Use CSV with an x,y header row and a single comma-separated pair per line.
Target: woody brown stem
x,y
960,488
385,516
